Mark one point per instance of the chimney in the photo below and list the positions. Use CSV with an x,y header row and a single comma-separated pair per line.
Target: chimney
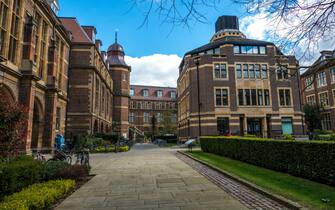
x,y
98,44
90,31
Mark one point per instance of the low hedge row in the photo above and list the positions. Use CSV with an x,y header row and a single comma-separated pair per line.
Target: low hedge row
x,y
111,148
19,173
38,196
313,160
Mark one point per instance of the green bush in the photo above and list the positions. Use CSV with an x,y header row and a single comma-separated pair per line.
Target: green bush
x,y
75,172
288,137
51,168
38,196
19,173
313,160
111,148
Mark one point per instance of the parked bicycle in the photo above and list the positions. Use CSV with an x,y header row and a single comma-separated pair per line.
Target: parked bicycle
x,y
83,158
60,155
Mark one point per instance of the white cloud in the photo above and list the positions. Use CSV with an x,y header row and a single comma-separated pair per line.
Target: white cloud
x,y
155,70
265,26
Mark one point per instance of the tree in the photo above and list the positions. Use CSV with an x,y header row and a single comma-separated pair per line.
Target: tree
x,y
297,26
312,117
169,125
13,127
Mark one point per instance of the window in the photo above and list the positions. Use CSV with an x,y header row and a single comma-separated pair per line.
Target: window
x,y
131,117
264,71
217,51
262,50
237,49
240,97
245,71
332,74
253,97
14,32
266,97
249,49
220,71
326,121
132,92
173,94
146,117
260,97
310,100
247,97
285,97
323,97
282,72
238,71
3,25
159,93
251,71
221,96
97,91
145,93
58,118
159,117
308,83
321,79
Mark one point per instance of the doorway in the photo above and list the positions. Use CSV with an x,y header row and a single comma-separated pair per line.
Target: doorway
x,y
223,126
255,126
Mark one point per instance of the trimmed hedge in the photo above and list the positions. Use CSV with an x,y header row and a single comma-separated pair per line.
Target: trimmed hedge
x,y
18,174
313,160
38,196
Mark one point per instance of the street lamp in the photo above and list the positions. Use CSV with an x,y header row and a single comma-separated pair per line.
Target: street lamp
x,y
197,63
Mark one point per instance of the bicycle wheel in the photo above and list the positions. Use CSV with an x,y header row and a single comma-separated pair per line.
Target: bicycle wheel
x,y
69,159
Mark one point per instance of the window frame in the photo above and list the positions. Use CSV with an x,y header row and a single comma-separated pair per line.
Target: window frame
x,y
220,64
285,97
222,97
320,102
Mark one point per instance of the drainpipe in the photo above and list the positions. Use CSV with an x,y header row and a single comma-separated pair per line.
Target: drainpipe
x,y
196,59
300,102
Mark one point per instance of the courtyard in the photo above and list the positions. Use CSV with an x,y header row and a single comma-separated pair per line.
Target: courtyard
x,y
147,177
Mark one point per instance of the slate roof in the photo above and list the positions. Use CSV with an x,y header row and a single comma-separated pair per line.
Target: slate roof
x,y
78,33
153,93
228,40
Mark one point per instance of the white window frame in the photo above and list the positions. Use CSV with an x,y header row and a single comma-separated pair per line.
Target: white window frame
x,y
221,69
321,82
145,93
320,101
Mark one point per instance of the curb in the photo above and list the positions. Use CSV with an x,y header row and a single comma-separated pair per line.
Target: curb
x,y
284,201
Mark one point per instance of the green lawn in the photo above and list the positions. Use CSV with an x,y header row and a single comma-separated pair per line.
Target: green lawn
x,y
305,192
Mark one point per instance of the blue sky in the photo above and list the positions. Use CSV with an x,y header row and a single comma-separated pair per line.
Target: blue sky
x,y
155,38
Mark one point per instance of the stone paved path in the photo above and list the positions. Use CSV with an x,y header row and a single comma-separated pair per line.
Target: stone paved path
x,y
147,177
249,198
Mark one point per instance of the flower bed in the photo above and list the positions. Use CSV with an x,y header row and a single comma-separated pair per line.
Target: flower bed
x,y
38,196
314,160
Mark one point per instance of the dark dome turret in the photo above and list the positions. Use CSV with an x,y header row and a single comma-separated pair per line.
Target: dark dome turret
x,y
115,54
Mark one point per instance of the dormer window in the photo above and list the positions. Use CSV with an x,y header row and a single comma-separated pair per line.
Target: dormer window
x,y
145,93
173,94
159,93
132,92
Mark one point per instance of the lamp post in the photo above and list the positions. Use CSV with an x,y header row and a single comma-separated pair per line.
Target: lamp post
x,y
197,63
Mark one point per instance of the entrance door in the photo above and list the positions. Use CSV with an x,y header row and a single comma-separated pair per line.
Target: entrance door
x,y
223,126
255,126
287,127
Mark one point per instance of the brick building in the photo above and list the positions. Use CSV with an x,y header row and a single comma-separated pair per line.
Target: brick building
x,y
236,85
148,106
90,90
318,85
34,50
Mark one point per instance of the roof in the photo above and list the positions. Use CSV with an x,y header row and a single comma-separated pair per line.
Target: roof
x,y
138,95
78,33
229,40
320,64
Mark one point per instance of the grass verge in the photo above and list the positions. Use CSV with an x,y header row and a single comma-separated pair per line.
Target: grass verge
x,y
309,194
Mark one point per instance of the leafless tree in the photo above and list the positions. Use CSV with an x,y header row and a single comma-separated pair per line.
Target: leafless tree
x,y
299,25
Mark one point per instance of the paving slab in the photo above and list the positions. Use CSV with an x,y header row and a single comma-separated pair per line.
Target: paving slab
x,y
147,177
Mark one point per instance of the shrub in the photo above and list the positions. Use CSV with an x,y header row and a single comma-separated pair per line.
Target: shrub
x,y
38,196
124,149
19,173
314,160
75,172
288,137
51,168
